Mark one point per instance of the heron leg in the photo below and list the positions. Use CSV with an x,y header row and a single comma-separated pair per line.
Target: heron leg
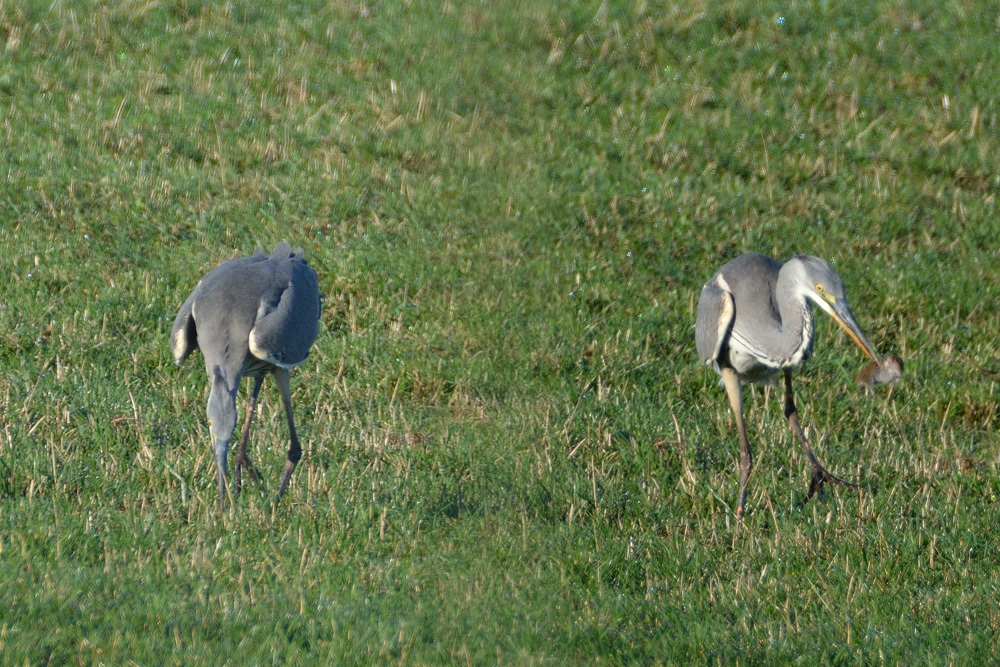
x,y
242,460
732,383
282,377
819,473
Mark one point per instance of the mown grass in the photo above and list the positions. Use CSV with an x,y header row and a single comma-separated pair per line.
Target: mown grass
x,y
511,453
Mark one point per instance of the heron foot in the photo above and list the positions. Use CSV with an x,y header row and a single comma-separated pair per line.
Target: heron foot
x,y
243,461
286,476
821,476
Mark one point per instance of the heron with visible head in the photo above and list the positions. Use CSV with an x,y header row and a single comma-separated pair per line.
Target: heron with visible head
x,y
250,316
755,320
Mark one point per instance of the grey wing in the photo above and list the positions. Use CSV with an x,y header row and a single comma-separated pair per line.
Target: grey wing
x,y
284,334
184,334
716,312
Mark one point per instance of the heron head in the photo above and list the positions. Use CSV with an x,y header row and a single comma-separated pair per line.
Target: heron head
x,y
821,284
221,408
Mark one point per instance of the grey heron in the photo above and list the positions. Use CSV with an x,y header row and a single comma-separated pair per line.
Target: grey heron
x,y
250,316
754,321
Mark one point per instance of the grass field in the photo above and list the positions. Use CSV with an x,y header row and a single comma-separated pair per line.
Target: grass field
x,y
512,455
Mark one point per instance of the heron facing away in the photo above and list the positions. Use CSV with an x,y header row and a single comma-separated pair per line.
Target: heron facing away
x,y
754,321
250,316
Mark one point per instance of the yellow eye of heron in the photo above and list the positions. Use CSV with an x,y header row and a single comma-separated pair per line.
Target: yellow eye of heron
x,y
819,287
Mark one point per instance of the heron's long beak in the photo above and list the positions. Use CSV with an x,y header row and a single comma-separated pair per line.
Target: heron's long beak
x,y
839,311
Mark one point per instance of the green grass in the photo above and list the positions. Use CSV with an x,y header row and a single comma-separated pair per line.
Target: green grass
x,y
512,455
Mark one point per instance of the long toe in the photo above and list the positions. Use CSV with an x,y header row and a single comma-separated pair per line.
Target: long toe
x,y
244,462
820,477
839,482
816,484
825,476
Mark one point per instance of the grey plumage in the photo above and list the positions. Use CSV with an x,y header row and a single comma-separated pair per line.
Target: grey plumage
x,y
755,321
249,316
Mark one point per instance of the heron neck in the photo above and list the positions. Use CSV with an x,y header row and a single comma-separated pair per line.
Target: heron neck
x,y
796,323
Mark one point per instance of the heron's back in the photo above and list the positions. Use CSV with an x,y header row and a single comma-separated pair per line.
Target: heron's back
x,y
747,284
225,308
